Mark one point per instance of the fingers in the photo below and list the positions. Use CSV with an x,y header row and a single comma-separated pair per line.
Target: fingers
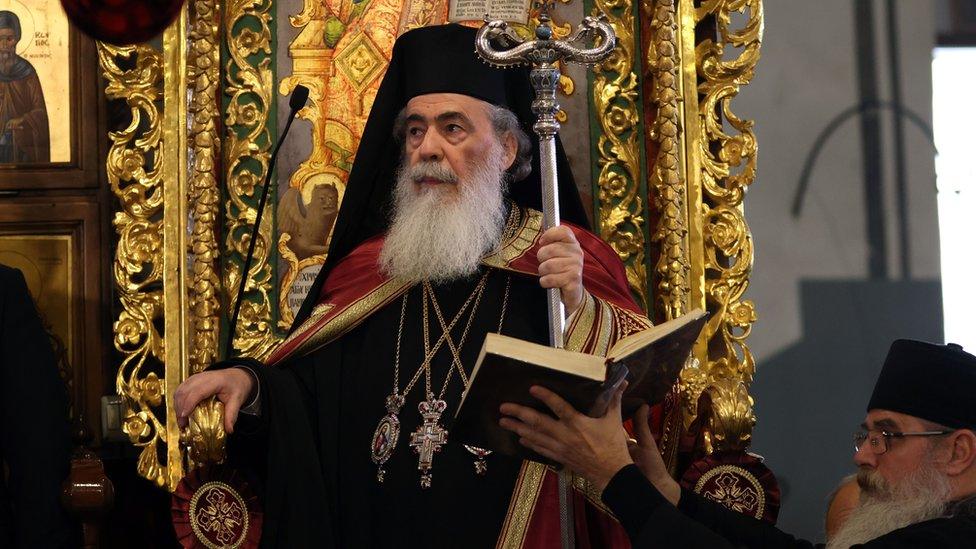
x,y
558,250
533,419
231,409
192,391
558,265
532,439
642,428
561,233
560,407
615,404
541,450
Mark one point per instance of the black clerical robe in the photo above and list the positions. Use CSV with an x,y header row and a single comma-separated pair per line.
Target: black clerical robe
x,y
34,438
698,523
324,395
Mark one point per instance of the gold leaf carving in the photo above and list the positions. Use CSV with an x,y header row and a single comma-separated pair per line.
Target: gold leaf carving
x,y
726,154
203,68
133,74
249,84
615,94
665,183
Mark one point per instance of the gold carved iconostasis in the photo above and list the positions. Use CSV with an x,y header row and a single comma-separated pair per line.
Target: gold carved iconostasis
x,y
660,153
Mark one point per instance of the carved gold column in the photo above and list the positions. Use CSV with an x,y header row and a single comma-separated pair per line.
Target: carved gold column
x,y
134,171
720,166
162,168
249,86
615,104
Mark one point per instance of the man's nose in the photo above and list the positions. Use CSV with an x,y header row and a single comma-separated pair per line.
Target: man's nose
x,y
865,456
431,148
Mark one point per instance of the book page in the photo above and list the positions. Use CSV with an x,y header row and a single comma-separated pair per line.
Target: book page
x,y
515,11
638,340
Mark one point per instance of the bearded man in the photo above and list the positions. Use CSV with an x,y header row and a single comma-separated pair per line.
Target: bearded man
x,y
354,408
916,454
24,133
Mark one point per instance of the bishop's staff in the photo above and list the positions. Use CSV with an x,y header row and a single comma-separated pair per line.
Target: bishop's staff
x,y
544,54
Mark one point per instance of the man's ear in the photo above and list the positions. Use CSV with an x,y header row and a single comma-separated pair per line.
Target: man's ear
x,y
963,452
510,144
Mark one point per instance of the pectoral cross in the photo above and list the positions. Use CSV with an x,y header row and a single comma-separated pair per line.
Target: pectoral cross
x,y
428,438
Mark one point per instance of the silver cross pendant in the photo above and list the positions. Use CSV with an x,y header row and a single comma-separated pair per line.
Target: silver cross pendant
x,y
429,437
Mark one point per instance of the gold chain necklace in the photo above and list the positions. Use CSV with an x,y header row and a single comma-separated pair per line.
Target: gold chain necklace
x,y
480,454
430,436
387,432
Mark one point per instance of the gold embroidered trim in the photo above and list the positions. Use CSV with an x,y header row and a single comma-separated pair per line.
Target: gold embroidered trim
x,y
520,510
221,514
748,500
591,494
351,316
317,312
579,325
528,231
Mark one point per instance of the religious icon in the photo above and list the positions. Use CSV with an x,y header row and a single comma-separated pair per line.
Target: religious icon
x,y
46,262
35,85
25,136
307,217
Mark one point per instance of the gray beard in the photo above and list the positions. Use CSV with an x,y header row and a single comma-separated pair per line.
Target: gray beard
x,y
883,508
439,233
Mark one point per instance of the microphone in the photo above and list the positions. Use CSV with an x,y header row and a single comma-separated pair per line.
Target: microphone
x,y
297,100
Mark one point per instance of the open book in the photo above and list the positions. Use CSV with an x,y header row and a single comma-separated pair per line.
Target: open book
x,y
515,11
649,360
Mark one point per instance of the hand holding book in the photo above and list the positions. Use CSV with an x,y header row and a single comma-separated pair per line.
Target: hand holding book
x,y
593,447
507,368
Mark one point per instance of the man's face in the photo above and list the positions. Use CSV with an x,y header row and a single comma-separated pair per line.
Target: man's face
x,y
451,130
904,456
8,42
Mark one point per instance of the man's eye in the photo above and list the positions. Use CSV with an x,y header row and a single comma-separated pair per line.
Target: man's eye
x,y
414,131
454,128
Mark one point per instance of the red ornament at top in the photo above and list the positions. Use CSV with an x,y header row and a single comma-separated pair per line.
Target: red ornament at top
x,y
122,22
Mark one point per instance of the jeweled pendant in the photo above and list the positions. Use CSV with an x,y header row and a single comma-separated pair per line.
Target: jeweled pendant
x,y
429,437
386,435
480,465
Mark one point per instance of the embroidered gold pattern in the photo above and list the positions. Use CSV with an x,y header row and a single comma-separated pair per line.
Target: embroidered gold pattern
x,y
749,499
529,227
351,316
220,517
520,511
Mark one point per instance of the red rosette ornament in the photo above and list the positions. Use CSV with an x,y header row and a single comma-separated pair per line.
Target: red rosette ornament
x,y
214,507
122,22
737,480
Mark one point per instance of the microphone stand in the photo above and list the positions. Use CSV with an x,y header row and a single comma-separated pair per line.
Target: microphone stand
x,y
297,100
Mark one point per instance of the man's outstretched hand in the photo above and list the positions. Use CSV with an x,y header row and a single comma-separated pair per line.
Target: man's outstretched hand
x,y
561,265
233,386
593,447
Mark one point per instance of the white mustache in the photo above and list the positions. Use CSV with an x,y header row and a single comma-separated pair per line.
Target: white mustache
x,y
431,170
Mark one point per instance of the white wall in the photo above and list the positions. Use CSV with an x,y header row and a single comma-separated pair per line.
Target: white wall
x,y
824,327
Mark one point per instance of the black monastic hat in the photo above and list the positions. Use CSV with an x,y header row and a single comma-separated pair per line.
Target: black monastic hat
x,y
929,381
439,59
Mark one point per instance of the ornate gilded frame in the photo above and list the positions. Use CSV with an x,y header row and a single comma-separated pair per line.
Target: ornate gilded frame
x,y
679,226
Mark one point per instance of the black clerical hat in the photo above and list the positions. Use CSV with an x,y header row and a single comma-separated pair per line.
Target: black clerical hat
x,y
929,381
438,59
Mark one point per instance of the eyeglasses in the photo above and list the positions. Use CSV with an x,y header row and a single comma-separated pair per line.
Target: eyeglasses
x,y
879,440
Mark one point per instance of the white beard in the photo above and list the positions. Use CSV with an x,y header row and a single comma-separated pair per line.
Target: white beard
x,y
883,508
440,232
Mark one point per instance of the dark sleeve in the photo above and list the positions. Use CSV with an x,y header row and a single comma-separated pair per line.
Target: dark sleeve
x,y
651,520
34,432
